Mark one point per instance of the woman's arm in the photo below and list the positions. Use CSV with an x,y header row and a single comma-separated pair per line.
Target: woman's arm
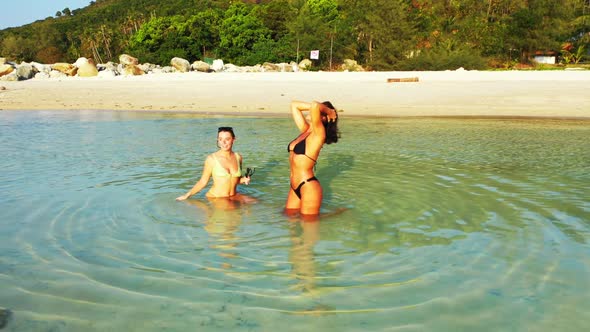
x,y
207,171
297,107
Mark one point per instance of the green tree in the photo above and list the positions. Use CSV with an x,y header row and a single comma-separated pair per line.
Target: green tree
x,y
240,30
162,38
204,31
385,33
314,27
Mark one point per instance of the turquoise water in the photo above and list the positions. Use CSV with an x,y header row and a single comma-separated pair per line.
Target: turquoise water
x,y
450,225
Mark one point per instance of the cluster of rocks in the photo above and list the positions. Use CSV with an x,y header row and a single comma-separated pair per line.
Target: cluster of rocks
x,y
129,65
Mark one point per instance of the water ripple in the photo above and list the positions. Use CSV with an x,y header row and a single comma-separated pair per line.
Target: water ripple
x,y
428,225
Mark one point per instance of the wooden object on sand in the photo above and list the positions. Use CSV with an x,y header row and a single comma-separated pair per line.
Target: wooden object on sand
x,y
403,79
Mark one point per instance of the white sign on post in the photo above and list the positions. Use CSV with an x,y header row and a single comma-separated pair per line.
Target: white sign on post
x,y
314,55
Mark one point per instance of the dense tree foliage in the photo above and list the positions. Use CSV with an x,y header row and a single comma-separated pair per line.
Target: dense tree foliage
x,y
379,34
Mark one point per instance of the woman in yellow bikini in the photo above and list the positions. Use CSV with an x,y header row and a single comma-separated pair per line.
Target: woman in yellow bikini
x,y
319,127
225,166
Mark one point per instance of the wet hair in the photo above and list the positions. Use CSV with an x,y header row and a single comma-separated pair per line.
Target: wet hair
x,y
226,129
332,132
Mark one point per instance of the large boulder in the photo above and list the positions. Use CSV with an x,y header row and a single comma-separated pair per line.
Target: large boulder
x,y
271,67
81,61
201,66
285,67
6,69
217,65
305,64
351,65
41,68
127,60
87,68
133,70
231,68
42,75
167,70
25,71
107,73
9,77
148,67
108,69
57,74
180,64
65,68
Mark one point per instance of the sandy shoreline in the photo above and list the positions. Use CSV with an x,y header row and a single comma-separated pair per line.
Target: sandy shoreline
x,y
556,94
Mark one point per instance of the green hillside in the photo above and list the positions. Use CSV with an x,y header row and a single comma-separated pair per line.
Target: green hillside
x,y
379,34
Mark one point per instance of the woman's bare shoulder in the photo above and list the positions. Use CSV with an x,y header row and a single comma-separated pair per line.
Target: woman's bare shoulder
x,y
210,158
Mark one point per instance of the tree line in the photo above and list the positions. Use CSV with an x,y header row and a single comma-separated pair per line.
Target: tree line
x,y
378,34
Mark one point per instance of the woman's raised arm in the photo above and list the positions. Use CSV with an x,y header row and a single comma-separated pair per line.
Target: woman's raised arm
x,y
297,107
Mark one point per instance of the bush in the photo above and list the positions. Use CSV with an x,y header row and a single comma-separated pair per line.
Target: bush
x,y
443,59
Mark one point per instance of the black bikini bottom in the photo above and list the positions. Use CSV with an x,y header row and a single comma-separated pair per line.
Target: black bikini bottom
x,y
298,189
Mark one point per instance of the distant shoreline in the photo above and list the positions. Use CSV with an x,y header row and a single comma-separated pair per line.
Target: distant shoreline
x,y
499,94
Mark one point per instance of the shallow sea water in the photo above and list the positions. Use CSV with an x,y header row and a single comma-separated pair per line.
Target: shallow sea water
x,y
448,225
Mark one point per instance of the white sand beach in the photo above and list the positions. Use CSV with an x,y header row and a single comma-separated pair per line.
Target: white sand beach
x,y
556,94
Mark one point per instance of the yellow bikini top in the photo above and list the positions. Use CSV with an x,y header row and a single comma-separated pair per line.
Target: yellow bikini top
x,y
219,170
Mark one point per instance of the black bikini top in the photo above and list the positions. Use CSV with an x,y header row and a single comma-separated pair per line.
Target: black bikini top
x,y
299,148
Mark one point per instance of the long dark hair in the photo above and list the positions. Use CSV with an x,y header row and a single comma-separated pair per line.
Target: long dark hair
x,y
332,132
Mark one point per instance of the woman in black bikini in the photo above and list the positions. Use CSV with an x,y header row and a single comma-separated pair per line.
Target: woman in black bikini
x,y
320,126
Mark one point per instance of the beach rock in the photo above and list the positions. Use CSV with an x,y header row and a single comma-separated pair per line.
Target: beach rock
x,y
25,71
201,66
65,68
9,77
351,65
168,70
157,70
285,67
231,68
107,73
41,68
81,61
305,64
5,69
128,60
182,65
217,65
271,67
87,69
250,69
41,75
132,70
148,67
107,66
109,69
57,74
